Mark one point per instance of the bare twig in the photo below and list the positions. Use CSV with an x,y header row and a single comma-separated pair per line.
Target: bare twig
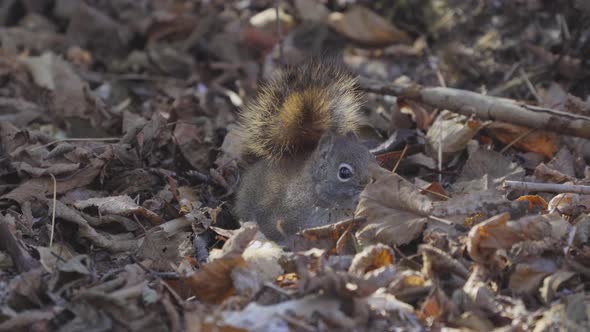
x,y
487,108
53,210
547,187
101,139
516,140
530,85
400,159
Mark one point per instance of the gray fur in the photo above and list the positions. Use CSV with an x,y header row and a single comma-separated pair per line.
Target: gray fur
x,y
304,191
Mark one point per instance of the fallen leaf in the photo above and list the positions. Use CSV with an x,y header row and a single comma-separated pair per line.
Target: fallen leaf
x,y
119,205
451,132
538,141
371,258
527,276
395,211
366,27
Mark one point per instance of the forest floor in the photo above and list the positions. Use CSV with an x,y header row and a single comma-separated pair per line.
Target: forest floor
x,y
120,158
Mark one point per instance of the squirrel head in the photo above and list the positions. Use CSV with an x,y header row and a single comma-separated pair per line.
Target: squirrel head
x,y
339,168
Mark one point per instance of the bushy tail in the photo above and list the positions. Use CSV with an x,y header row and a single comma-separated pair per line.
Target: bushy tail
x,y
295,108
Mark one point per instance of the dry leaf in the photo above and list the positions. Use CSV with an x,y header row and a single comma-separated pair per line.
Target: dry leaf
x,y
395,211
452,132
327,236
371,258
486,170
119,205
213,282
534,201
499,232
542,142
364,26
527,276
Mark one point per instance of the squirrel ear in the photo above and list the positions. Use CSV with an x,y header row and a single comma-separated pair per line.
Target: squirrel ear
x,y
352,136
326,143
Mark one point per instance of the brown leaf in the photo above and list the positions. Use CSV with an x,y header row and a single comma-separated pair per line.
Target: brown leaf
x,y
538,141
527,276
366,27
193,141
119,205
327,236
534,201
213,283
371,258
452,131
395,211
499,232
38,188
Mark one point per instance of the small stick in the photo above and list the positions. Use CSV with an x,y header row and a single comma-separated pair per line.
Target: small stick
x,y
103,139
547,187
53,210
516,140
486,108
400,158
530,85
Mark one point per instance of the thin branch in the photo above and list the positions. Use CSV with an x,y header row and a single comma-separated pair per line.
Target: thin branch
x,y
400,158
486,107
53,210
547,187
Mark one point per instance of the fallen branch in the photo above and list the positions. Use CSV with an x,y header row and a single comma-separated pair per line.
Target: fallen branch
x,y
547,187
486,107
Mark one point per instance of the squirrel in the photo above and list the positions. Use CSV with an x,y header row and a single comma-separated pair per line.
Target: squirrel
x,y
311,166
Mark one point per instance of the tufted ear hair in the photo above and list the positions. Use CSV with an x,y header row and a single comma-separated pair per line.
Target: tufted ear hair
x,y
326,144
352,136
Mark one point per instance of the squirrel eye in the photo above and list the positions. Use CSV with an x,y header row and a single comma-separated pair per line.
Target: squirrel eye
x,y
345,172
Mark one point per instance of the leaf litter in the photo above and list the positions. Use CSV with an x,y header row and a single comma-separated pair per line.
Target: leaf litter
x,y
125,111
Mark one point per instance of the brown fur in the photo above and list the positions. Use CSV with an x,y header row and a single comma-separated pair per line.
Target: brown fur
x,y
294,109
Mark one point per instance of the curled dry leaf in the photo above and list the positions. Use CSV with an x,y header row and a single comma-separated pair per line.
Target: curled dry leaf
x,y
50,257
437,261
213,283
371,258
495,233
527,276
364,26
262,265
544,173
256,317
534,201
452,132
119,205
395,211
499,232
479,292
554,282
568,203
486,170
194,142
101,240
535,141
231,148
327,237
